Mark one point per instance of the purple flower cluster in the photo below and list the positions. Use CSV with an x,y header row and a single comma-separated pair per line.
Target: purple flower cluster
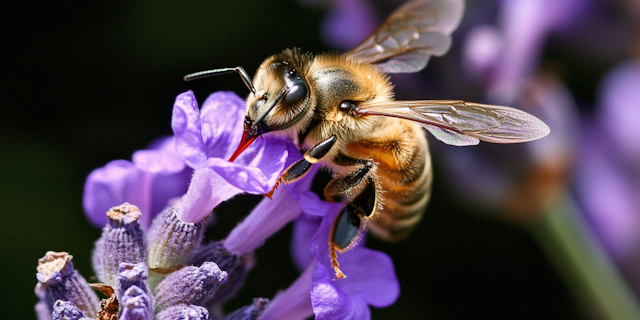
x,y
152,257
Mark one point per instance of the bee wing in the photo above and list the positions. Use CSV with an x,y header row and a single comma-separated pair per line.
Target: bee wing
x,y
410,35
463,123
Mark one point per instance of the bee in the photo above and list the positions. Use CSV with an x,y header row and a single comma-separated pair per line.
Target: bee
x,y
339,109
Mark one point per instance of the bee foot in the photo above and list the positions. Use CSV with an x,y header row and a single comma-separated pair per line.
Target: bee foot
x,y
334,263
270,193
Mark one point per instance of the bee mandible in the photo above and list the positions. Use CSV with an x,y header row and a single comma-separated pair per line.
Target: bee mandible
x,y
339,110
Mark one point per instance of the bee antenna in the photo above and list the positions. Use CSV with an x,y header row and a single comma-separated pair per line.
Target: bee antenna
x,y
264,114
203,74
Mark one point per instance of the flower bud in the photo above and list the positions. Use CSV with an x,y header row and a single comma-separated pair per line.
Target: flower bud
x,y
189,285
237,267
136,305
65,310
122,241
132,275
183,312
59,281
252,312
172,241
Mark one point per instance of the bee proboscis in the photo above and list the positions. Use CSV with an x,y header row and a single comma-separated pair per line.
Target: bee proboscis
x,y
340,109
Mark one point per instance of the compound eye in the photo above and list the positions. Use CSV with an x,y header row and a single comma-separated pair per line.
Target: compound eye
x,y
346,106
296,93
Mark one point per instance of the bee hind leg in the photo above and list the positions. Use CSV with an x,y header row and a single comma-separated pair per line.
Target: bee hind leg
x,y
299,168
350,222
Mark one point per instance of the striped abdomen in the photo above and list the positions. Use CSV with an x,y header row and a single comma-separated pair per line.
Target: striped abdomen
x,y
404,173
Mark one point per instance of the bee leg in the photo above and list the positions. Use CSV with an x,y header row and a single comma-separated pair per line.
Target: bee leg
x,y
299,168
350,222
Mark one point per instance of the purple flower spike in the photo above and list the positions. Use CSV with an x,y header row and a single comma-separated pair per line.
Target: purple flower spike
x,y
122,241
155,176
207,138
59,281
251,312
237,267
183,312
65,310
129,275
136,305
189,285
371,279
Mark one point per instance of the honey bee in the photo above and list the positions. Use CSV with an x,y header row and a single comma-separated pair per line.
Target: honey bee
x,y
340,111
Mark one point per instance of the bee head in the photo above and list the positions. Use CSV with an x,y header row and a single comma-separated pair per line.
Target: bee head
x,y
280,104
282,99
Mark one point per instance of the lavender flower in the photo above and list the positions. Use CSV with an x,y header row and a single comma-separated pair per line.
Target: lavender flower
x,y
136,304
608,174
121,241
191,285
183,312
207,138
166,272
65,310
348,298
57,280
155,176
507,56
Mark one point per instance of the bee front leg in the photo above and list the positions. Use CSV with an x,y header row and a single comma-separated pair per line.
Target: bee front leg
x,y
299,168
350,222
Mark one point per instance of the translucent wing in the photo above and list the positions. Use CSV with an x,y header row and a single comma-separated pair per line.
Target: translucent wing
x,y
410,35
463,123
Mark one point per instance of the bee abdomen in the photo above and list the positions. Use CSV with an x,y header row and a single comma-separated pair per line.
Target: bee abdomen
x,y
407,189
404,205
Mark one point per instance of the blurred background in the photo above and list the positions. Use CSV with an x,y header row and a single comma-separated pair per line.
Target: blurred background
x,y
549,229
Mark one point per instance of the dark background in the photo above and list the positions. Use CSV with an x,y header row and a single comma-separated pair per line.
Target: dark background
x,y
87,83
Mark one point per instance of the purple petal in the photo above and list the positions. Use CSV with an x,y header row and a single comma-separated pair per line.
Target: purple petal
x,y
329,302
293,303
206,191
609,197
222,124
117,182
620,112
267,218
166,188
164,159
348,298
303,230
377,286
185,122
257,169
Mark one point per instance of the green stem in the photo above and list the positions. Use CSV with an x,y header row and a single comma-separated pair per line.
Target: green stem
x,y
581,261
